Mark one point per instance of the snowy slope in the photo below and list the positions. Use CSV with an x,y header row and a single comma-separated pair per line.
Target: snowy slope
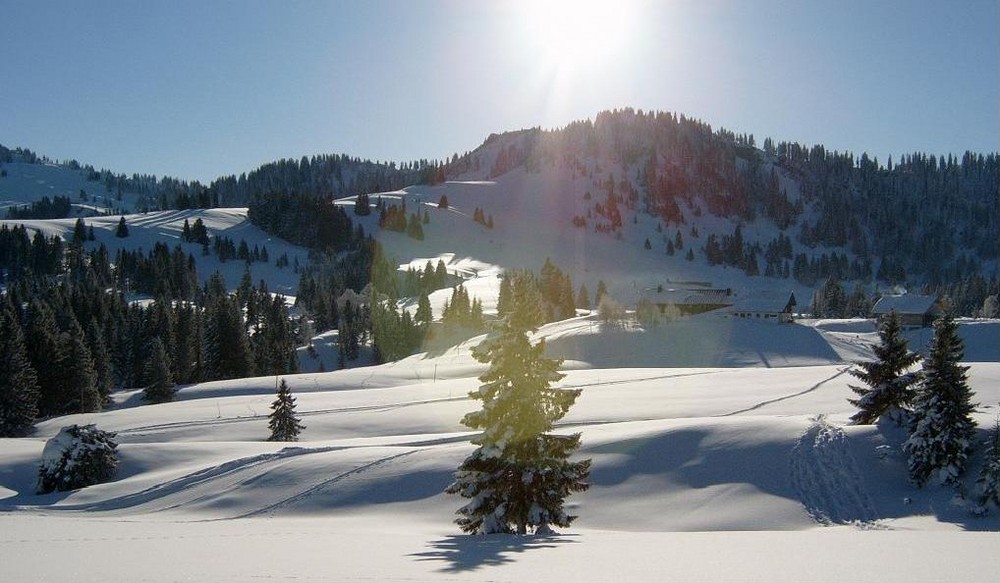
x,y
699,474
532,220
145,230
27,183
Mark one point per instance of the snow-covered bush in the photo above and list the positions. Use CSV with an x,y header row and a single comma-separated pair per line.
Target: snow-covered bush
x,y
79,456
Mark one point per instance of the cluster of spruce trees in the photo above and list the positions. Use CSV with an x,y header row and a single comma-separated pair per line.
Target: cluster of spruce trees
x,y
71,337
79,342
306,220
393,217
46,208
933,403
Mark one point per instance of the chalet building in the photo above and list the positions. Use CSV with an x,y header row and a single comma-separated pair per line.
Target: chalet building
x,y
693,299
778,308
914,310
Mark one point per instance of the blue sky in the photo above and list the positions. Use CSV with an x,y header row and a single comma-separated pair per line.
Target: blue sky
x,y
201,89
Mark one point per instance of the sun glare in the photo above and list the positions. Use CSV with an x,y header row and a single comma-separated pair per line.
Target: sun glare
x,y
574,34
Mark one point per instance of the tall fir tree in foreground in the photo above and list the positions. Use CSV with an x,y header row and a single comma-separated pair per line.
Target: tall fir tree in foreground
x,y
284,425
520,475
889,388
941,425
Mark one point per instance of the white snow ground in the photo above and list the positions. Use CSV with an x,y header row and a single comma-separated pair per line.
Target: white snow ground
x,y
731,471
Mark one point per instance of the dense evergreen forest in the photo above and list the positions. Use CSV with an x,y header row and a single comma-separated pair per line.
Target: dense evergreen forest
x,y
70,336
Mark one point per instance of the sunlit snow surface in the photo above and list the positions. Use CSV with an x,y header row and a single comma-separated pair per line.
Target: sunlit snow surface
x,y
733,471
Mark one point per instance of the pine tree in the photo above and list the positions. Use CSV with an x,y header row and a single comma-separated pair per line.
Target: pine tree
x,y
989,475
583,298
889,387
122,231
602,290
41,337
414,228
159,381
226,347
284,425
519,475
102,360
75,373
941,426
423,315
18,381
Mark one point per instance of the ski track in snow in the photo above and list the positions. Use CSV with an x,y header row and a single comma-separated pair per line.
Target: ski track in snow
x,y
141,430
211,475
324,484
827,479
786,397
639,379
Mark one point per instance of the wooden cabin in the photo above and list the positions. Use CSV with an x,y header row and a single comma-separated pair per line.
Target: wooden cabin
x,y
914,310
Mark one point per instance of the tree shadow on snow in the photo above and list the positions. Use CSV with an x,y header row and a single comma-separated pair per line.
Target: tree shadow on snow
x,y
471,552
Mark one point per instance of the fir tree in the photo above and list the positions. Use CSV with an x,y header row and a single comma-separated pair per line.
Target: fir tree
x,y
284,425
159,381
888,388
520,475
989,475
18,381
226,347
41,337
122,231
424,315
583,298
941,426
602,290
75,371
414,228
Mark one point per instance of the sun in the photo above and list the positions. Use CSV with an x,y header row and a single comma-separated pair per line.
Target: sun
x,y
575,34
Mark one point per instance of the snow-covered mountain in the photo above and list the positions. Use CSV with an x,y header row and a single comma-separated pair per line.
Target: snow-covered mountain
x,y
714,440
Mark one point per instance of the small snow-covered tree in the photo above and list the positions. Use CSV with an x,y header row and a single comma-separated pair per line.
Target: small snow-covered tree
x,y
889,388
77,457
989,475
284,425
941,425
520,475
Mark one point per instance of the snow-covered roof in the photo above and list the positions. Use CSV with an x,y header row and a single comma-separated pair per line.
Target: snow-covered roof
x,y
765,303
905,304
689,297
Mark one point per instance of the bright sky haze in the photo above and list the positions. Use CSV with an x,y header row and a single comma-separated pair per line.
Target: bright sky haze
x,y
197,89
